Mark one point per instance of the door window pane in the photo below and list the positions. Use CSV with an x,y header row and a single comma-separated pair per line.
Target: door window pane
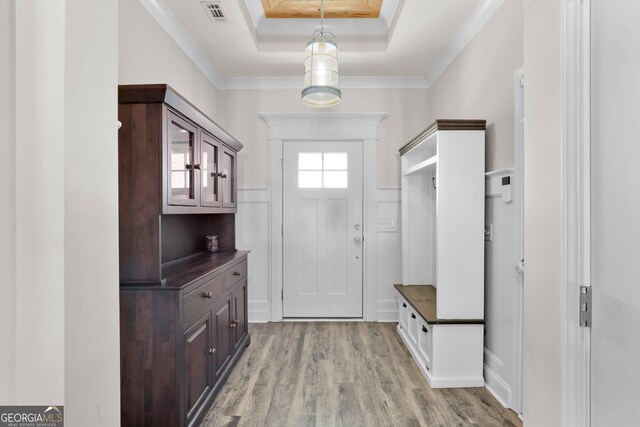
x,y
335,179
335,161
309,179
310,161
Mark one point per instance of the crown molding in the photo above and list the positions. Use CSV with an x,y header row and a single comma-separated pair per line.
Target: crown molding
x,y
461,39
159,10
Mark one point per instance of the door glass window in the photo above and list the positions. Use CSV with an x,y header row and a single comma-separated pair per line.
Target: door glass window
x,y
322,170
181,141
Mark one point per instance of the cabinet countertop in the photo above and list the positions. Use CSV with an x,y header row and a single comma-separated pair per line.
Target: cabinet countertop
x,y
423,299
179,275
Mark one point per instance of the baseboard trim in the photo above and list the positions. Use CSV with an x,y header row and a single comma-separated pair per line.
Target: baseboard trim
x,y
497,387
258,316
386,316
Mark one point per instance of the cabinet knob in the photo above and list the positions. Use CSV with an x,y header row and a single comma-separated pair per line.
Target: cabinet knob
x,y
196,166
212,350
413,316
404,305
425,330
236,273
208,295
234,323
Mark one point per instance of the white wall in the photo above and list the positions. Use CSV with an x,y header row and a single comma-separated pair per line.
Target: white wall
x,y
146,54
501,296
59,216
7,207
543,213
479,82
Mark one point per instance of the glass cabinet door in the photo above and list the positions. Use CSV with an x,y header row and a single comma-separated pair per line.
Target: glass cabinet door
x,y
181,138
210,177
228,177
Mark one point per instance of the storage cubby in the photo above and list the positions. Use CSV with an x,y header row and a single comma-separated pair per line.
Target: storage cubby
x,y
442,293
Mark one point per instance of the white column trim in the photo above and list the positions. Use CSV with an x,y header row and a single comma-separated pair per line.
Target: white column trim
x,y
327,127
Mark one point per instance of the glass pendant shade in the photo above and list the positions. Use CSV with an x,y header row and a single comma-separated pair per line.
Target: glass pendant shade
x,y
321,78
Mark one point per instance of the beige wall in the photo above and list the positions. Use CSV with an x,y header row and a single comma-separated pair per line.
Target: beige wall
x,y
407,115
146,54
543,213
92,316
58,242
7,207
39,202
479,82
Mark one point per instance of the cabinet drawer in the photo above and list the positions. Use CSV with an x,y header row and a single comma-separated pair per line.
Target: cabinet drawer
x,y
235,274
198,299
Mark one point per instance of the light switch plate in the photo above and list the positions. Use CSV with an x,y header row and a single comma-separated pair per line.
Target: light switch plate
x,y
386,224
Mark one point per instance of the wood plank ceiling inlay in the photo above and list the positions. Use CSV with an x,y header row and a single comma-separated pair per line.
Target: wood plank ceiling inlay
x,y
332,8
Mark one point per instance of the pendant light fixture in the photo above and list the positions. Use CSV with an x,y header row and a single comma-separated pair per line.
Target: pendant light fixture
x,y
321,78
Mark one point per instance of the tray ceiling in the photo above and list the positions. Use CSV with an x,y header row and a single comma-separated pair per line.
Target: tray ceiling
x,y
332,8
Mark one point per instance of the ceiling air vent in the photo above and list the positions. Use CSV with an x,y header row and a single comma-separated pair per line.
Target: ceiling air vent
x,y
214,10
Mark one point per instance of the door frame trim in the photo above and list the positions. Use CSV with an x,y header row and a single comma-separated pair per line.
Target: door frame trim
x,y
576,207
516,401
323,127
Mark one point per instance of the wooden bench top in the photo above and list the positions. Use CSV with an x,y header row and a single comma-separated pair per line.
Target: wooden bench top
x,y
423,299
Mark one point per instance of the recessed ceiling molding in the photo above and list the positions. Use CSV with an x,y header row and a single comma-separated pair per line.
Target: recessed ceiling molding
x,y
174,28
340,26
159,10
346,82
461,39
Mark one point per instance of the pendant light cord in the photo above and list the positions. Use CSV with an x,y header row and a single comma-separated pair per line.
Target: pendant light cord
x,y
322,16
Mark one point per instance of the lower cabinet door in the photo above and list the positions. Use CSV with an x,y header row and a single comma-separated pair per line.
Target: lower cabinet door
x,y
223,334
424,343
240,310
198,353
403,309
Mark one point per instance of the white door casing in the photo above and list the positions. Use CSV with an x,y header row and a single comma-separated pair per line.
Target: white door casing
x,y
322,229
326,127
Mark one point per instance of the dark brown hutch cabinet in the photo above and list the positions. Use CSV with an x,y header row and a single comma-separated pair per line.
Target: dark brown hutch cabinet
x,y
183,310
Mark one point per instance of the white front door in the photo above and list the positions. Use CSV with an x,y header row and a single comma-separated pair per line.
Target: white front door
x,y
322,229
615,213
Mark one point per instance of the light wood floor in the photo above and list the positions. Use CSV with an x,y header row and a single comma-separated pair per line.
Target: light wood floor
x,y
342,374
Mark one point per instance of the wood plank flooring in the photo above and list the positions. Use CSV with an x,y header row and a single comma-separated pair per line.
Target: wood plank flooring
x,y
342,374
